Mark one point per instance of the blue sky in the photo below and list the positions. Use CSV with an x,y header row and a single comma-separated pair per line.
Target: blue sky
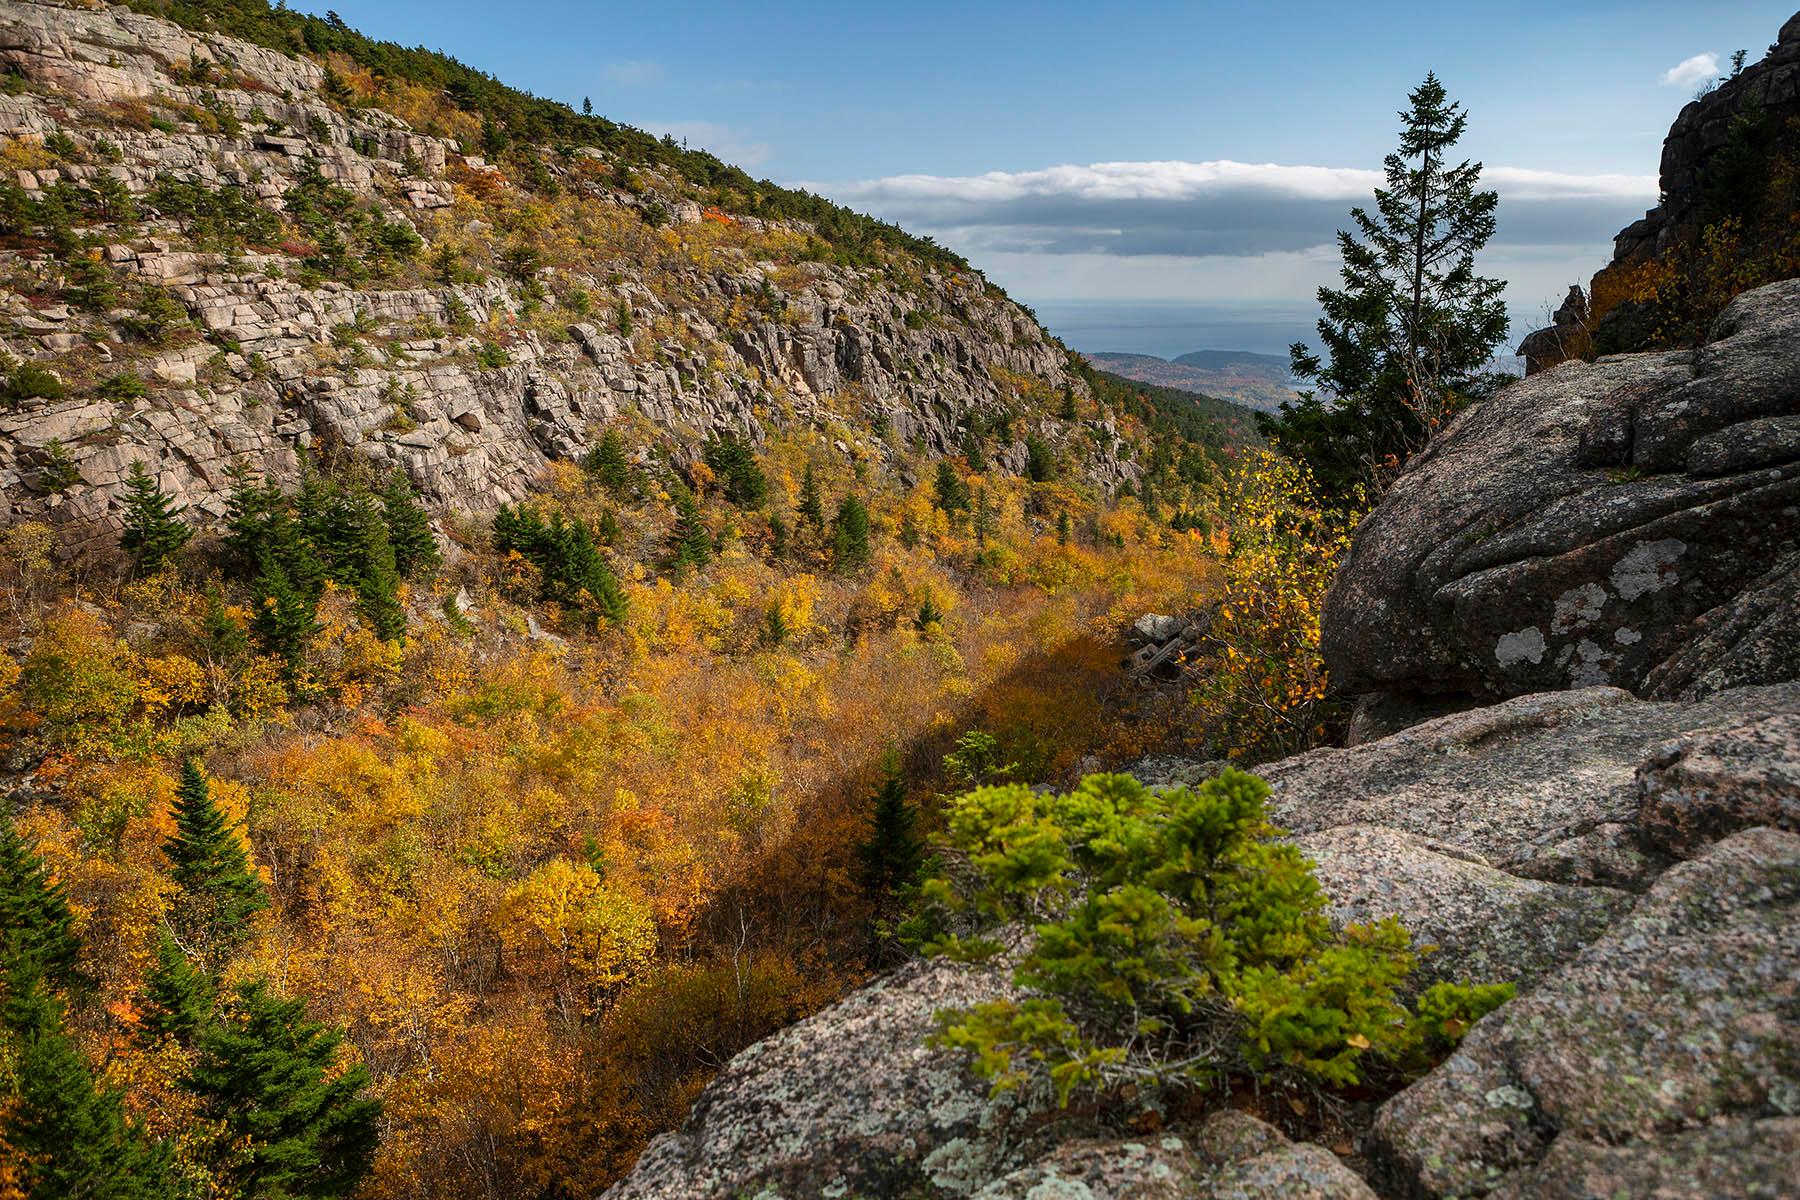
x,y
1103,154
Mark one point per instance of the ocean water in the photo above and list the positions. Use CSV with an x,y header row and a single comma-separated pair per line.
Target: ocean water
x,y
1167,329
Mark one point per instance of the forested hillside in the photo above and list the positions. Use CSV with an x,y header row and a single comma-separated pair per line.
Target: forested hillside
x,y
493,602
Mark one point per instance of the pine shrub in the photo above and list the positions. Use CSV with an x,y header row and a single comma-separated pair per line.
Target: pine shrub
x,y
1173,943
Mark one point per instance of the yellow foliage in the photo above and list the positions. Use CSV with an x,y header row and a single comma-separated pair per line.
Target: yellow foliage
x,y
562,914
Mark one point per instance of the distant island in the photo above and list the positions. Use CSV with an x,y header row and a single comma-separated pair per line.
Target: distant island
x,y
1259,381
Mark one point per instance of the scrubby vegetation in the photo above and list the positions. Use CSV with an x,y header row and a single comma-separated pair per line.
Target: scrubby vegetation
x,y
516,862
1170,942
511,126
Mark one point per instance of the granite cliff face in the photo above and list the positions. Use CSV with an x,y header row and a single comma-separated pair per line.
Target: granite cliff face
x,y
712,335
1632,521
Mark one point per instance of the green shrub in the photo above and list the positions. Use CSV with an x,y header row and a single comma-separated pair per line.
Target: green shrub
x,y
126,385
1174,943
30,380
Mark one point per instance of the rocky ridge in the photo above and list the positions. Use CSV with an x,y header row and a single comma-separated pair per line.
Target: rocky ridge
x,y
873,360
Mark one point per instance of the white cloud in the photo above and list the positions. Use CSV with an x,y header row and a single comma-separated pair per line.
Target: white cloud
x,y
731,145
1691,71
632,73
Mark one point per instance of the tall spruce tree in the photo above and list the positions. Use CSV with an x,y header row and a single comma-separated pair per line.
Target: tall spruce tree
x,y
64,1134
409,529
293,1124
283,616
219,891
36,926
1409,336
607,463
850,535
812,506
154,532
178,995
890,857
951,493
689,543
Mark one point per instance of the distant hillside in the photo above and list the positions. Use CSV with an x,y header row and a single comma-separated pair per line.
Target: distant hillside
x,y
1219,360
1258,381
1204,420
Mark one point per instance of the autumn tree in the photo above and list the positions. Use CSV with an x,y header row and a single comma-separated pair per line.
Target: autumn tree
x,y
295,1121
1409,336
219,892
154,532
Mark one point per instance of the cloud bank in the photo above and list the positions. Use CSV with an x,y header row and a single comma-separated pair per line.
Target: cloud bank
x,y
1154,228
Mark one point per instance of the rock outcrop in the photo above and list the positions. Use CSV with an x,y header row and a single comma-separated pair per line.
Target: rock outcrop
x,y
1630,522
1771,84
1634,866
718,339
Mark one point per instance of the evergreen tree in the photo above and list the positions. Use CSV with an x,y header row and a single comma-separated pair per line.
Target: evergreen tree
x,y
572,569
154,532
951,492
850,535
1040,460
890,857
1410,333
282,616
219,892
178,995
689,544
409,529
778,536
1067,411
732,459
364,559
220,633
812,506
293,1124
974,448
1062,528
608,465
983,520
66,1135
36,927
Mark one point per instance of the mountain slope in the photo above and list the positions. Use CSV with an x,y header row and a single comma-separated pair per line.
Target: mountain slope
x,y
227,253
